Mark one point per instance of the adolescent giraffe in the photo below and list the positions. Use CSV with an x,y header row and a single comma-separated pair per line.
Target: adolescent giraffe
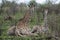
x,y
22,26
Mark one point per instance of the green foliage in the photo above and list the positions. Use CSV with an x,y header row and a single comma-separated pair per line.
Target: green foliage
x,y
17,12
21,38
32,3
54,25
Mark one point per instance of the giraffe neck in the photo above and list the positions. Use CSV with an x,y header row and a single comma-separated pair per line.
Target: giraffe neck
x,y
27,16
25,20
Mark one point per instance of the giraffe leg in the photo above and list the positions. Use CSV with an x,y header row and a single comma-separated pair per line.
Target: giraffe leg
x,y
17,32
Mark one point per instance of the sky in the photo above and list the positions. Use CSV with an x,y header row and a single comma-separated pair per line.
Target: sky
x,y
26,1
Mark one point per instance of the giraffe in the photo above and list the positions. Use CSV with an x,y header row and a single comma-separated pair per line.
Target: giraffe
x,y
21,24
42,28
22,27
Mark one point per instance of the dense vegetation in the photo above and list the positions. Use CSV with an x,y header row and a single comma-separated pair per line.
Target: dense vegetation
x,y
11,12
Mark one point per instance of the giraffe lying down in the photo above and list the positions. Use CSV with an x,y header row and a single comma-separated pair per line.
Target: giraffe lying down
x,y
20,32
40,29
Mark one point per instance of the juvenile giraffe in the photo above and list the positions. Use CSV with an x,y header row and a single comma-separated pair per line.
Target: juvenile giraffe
x,y
22,27
23,23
